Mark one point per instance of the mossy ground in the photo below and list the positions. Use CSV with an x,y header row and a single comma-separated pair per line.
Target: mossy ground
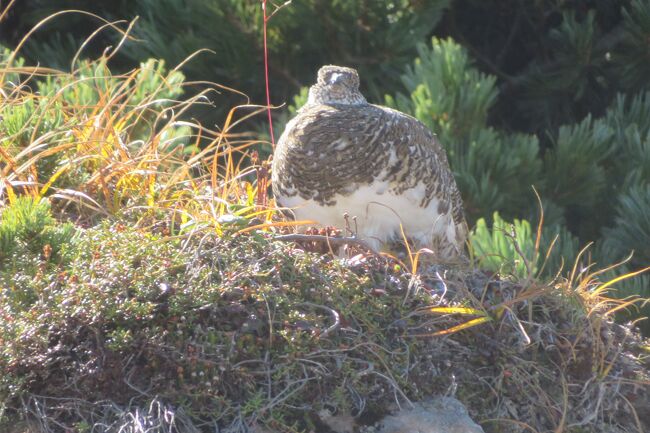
x,y
238,330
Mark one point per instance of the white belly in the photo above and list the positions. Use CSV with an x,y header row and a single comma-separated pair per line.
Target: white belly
x,y
379,214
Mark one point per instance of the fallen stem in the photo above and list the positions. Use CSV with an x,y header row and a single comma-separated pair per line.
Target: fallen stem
x,y
333,313
297,237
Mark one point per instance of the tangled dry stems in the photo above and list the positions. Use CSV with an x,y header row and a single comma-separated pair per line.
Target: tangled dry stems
x,y
286,333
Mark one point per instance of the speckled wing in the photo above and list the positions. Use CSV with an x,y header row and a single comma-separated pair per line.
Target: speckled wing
x,y
328,150
427,162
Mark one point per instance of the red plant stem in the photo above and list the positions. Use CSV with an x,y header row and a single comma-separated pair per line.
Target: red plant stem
x,y
266,76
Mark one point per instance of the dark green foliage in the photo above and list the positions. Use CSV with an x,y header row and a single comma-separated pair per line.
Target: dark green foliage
x,y
563,87
628,180
634,56
555,61
453,98
376,36
630,230
366,34
628,117
575,175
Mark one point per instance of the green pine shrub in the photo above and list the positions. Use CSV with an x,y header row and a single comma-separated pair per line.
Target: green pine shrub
x,y
32,243
627,117
631,228
494,170
575,170
633,57
555,62
27,226
561,87
377,36
592,177
506,248
74,134
509,248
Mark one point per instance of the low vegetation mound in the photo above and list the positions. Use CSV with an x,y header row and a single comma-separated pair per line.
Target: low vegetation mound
x,y
118,327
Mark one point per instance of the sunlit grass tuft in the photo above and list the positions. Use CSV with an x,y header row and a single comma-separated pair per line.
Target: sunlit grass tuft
x,y
99,144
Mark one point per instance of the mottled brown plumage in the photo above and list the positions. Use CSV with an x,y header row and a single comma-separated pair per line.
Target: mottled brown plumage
x,y
342,155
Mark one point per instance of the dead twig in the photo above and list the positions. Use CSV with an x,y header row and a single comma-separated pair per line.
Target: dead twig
x,y
333,313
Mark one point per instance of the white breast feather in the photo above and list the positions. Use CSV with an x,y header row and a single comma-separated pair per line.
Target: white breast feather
x,y
379,214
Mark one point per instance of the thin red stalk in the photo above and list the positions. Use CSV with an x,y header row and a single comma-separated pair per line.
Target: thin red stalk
x,y
266,76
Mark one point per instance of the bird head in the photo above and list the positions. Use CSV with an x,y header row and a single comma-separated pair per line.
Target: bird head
x,y
336,85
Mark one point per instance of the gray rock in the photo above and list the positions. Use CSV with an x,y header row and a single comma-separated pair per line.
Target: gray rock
x,y
438,415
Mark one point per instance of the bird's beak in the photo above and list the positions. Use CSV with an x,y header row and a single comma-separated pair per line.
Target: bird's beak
x,y
335,78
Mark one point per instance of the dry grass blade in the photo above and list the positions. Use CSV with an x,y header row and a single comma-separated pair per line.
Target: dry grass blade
x,y
521,424
120,139
457,328
282,224
5,11
623,277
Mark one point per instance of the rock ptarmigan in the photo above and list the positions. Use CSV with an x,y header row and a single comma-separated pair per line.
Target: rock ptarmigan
x,y
340,155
